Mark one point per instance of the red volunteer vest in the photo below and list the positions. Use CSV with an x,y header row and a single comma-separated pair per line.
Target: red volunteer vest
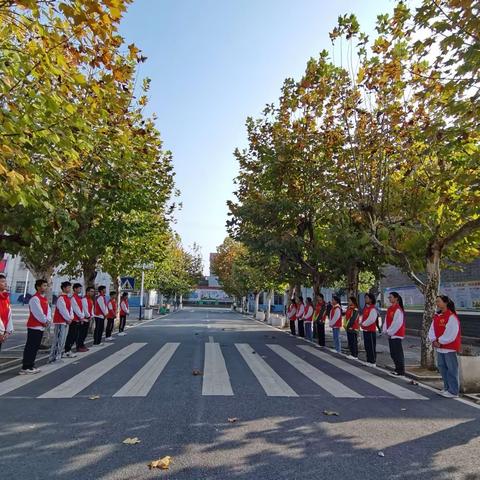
x,y
98,310
299,317
310,317
338,323
389,319
112,313
78,300
32,321
318,307
57,317
348,316
4,309
366,314
440,323
290,308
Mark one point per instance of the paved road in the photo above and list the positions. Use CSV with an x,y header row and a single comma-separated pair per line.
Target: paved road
x,y
277,386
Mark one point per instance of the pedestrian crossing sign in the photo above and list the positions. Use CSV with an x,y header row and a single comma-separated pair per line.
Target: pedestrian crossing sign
x,y
127,283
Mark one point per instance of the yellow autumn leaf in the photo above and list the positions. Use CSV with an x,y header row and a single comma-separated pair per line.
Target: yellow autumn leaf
x,y
162,463
131,441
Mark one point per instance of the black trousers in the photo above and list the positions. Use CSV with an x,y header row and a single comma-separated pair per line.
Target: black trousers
x,y
352,337
73,336
123,321
370,342
396,352
82,333
98,332
321,333
301,328
34,338
314,327
292,327
109,329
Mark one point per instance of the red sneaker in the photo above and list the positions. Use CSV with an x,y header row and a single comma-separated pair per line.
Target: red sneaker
x,y
82,349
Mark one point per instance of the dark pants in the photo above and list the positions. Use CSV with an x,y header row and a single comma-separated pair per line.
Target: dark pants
x,y
396,352
315,333
352,337
301,329
98,332
73,336
34,338
109,329
292,327
123,321
82,334
321,333
370,343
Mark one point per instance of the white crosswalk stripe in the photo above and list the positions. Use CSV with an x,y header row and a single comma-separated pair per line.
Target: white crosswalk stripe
x,y
216,380
271,382
81,381
332,386
142,382
379,382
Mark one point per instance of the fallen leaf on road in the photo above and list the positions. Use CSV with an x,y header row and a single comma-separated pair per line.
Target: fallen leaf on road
x,y
330,413
403,409
233,419
162,463
94,397
197,372
413,382
380,454
131,441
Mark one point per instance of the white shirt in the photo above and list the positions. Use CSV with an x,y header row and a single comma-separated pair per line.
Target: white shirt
x,y
308,313
396,324
372,318
102,305
78,309
61,306
336,316
124,308
300,311
37,312
9,328
449,335
291,313
87,313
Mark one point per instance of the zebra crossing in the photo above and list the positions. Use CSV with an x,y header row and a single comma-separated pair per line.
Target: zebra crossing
x,y
268,372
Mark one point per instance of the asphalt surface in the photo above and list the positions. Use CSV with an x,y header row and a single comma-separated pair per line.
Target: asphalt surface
x,y
51,429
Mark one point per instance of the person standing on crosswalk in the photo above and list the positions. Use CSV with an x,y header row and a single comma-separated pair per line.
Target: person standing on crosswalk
x,y
351,326
62,318
292,315
445,335
320,317
336,322
112,314
73,336
369,327
299,316
308,318
38,319
88,307
101,312
6,322
124,312
394,328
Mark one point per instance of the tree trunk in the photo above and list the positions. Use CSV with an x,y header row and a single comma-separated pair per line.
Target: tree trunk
x,y
269,304
257,299
352,281
89,268
430,293
181,302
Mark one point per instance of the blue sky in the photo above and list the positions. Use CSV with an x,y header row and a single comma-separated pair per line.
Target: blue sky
x,y
212,64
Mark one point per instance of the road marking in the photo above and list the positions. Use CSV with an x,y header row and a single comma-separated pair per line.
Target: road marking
x,y
142,382
216,380
81,381
20,381
210,339
332,386
379,382
271,382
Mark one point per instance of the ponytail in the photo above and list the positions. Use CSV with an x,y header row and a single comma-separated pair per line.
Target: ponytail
x,y
399,300
449,302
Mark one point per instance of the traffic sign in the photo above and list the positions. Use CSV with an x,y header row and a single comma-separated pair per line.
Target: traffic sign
x,y
127,283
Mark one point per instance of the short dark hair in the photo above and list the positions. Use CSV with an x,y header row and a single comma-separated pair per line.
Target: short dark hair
x,y
337,299
77,285
112,294
320,295
124,294
2,275
39,283
64,285
300,298
102,288
89,289
354,301
371,296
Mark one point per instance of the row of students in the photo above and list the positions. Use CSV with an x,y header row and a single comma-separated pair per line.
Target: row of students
x,y
71,320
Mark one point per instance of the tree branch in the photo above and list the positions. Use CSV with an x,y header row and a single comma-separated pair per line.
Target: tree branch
x,y
465,230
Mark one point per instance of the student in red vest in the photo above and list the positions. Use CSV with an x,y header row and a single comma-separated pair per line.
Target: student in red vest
x,y
445,336
73,336
101,312
39,318
292,315
88,307
352,325
6,322
394,327
320,317
335,322
112,313
124,312
62,318
308,318
369,327
299,316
